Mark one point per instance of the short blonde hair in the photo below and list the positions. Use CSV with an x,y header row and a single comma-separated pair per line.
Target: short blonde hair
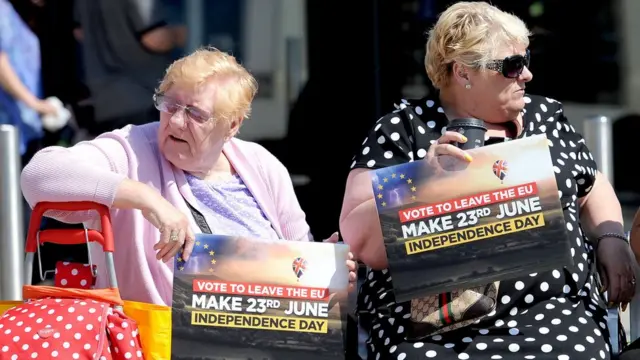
x,y
209,63
470,33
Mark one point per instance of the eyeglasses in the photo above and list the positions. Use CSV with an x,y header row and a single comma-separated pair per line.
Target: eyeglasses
x,y
512,66
171,106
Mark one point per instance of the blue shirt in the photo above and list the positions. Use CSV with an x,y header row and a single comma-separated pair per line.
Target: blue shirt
x,y
23,50
230,208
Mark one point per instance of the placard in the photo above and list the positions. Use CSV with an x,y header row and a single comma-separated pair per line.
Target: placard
x,y
241,298
450,224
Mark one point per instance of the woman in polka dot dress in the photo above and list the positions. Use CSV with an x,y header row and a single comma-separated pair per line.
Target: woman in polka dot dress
x,y
478,59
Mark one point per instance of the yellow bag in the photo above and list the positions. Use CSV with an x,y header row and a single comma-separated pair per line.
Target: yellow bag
x,y
6,305
154,322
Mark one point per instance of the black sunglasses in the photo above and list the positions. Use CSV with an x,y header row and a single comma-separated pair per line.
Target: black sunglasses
x,y
512,66
171,106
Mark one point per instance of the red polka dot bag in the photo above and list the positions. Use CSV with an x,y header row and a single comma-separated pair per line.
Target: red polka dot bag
x,y
75,275
69,323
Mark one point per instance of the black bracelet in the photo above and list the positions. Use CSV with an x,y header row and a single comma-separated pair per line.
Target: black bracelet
x,y
622,237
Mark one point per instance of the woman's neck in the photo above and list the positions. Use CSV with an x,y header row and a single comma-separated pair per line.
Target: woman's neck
x,y
451,106
452,110
221,170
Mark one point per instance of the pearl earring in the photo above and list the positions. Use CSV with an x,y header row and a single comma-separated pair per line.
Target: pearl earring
x,y
468,86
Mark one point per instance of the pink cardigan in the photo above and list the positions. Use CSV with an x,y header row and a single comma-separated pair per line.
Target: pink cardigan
x,y
93,170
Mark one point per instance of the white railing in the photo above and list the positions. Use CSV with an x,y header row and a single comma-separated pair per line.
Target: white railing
x,y
11,215
597,133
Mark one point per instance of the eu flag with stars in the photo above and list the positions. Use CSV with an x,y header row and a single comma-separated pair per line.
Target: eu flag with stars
x,y
396,186
203,258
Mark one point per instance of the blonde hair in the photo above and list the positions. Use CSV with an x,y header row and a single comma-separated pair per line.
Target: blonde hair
x,y
209,63
470,33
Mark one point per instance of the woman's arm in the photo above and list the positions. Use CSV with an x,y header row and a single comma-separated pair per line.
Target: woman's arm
x,y
602,215
292,219
131,194
389,142
11,83
89,171
359,222
600,209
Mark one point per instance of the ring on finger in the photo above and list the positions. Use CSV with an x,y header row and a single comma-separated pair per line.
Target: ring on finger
x,y
173,236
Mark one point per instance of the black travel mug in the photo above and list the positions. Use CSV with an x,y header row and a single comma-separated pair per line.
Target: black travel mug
x,y
473,129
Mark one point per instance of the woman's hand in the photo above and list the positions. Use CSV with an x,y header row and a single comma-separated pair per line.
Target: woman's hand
x,y
45,108
444,146
616,265
175,232
351,264
172,224
353,272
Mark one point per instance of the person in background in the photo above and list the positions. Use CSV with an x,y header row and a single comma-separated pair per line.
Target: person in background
x,y
634,236
20,78
127,44
21,103
478,59
176,17
165,181
632,351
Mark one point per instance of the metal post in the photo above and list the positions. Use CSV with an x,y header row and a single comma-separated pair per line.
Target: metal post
x,y
11,216
195,24
598,136
295,81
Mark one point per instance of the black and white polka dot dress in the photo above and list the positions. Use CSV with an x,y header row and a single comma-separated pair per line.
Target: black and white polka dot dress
x,y
553,315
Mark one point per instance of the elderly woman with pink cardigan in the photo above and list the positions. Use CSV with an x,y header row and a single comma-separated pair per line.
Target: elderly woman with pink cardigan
x,y
153,176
